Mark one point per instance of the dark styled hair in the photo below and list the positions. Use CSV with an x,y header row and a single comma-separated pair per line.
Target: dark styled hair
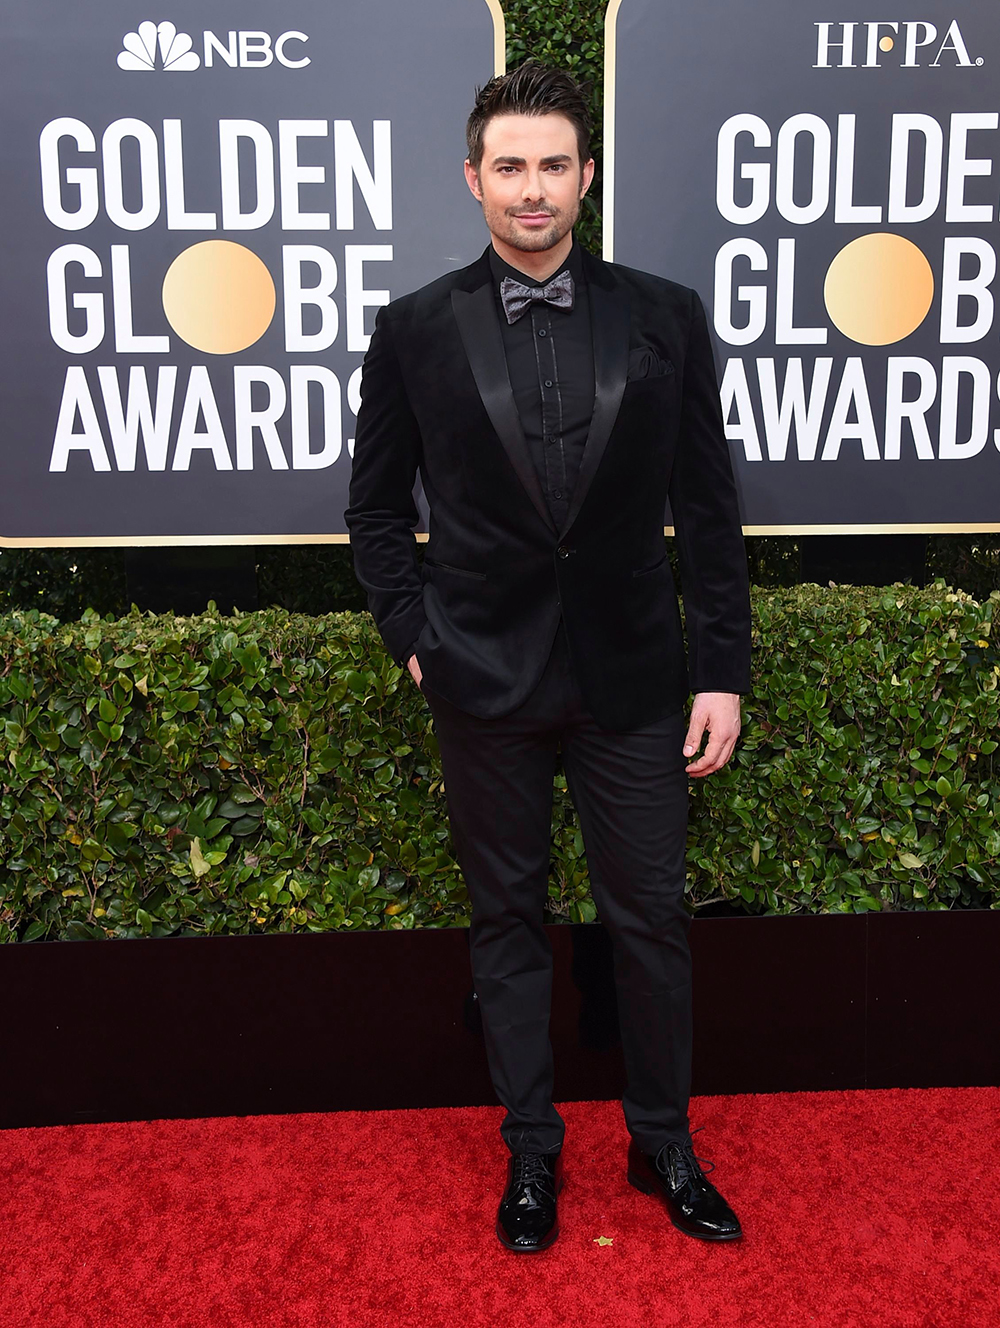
x,y
530,89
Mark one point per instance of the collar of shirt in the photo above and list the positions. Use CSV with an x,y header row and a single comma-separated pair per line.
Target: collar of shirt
x,y
501,269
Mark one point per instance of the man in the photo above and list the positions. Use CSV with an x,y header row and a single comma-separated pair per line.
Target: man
x,y
551,404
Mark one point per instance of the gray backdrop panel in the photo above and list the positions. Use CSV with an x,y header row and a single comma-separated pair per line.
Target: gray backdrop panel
x,y
413,64
681,70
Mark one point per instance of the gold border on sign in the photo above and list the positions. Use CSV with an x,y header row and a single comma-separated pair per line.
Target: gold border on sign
x,y
499,37
610,73
171,541
902,528
179,541
608,250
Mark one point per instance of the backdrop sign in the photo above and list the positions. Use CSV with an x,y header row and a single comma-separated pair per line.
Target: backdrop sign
x,y
202,211
828,182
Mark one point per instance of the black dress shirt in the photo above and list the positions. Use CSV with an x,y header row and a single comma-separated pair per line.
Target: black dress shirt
x,y
550,363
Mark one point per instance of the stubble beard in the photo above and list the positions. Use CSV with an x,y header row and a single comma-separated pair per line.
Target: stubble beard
x,y
502,224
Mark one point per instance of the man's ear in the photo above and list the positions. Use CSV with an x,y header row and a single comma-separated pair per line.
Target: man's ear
x,y
472,180
587,176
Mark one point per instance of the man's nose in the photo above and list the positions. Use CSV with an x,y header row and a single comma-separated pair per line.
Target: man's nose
x,y
533,188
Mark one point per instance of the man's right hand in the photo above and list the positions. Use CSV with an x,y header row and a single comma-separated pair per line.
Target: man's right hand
x,y
414,668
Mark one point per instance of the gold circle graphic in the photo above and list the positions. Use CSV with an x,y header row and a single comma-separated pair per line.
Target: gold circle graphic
x,y
878,289
218,297
886,44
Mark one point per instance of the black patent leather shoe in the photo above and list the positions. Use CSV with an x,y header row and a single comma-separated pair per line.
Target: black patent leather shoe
x,y
526,1220
674,1175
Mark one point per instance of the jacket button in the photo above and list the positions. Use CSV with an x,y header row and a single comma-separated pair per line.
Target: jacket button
x,y
562,551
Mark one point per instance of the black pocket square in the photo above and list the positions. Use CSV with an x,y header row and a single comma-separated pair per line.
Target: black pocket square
x,y
643,362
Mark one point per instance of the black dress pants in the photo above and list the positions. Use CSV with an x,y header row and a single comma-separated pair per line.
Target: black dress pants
x,y
630,792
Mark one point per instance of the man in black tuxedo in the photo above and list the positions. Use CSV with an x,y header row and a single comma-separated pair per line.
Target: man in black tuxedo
x,y
551,404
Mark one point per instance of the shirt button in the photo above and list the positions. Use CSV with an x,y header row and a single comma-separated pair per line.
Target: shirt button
x,y
557,493
548,382
542,332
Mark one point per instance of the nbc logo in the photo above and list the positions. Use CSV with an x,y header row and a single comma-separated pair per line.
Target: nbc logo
x,y
161,46
139,48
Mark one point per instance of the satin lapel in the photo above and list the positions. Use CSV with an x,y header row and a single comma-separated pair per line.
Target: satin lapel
x,y
476,315
609,317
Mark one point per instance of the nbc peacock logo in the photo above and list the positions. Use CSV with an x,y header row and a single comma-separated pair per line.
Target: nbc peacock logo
x,y
158,46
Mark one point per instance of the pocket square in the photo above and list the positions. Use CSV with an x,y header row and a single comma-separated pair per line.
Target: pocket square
x,y
643,362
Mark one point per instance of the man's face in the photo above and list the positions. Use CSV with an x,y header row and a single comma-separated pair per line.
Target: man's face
x,y
530,182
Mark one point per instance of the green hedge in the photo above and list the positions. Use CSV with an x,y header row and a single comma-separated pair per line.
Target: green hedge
x,y
866,777
276,772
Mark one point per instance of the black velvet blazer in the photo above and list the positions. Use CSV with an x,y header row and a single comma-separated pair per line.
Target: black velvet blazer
x,y
483,609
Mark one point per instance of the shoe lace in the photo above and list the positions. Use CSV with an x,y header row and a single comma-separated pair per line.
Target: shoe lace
x,y
687,1165
530,1170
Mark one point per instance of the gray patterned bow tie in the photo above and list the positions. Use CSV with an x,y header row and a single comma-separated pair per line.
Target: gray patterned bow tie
x,y
516,298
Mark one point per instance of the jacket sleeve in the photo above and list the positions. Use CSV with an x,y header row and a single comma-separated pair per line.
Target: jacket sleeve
x,y
703,502
382,514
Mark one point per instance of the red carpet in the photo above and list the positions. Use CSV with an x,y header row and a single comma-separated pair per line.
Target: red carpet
x,y
861,1208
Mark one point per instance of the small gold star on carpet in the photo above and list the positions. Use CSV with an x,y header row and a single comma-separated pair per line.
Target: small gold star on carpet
x,y
604,1240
